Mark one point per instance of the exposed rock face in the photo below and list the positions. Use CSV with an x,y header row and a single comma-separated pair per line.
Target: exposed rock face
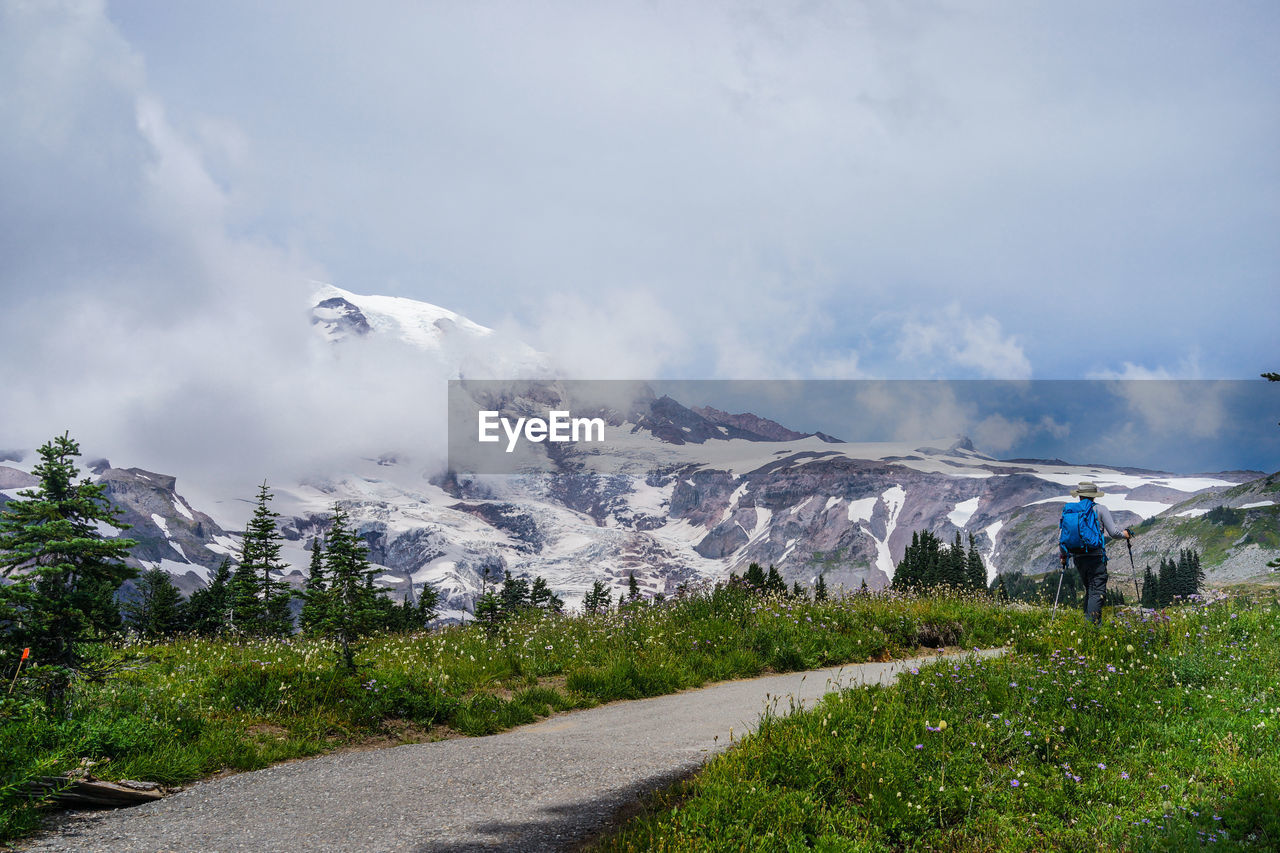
x,y
12,478
749,423
170,533
338,318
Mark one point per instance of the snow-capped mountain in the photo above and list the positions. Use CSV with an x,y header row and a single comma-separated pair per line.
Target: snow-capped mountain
x,y
451,340
678,494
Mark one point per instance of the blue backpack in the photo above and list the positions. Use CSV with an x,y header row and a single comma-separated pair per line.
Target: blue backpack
x,y
1079,531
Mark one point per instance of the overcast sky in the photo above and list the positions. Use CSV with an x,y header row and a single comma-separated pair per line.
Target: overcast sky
x,y
649,189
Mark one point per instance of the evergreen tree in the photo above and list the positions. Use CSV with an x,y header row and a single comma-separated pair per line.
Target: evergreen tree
x,y
597,600
754,577
975,569
797,591
207,609
488,609
956,573
774,583
245,613
514,595
906,576
1197,574
158,611
352,610
425,610
1001,591
259,558
541,596
633,587
1150,590
927,563
1188,576
820,589
1165,583
315,593
64,572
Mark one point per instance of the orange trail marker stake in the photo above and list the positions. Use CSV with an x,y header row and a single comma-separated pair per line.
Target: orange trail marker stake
x,y
26,653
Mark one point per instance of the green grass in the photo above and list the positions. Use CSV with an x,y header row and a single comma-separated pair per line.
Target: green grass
x,y
188,709
1155,732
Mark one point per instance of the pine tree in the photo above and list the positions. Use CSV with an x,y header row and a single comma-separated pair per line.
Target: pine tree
x,y
1165,582
425,609
975,569
820,589
754,577
597,600
64,572
774,583
514,595
208,608
488,609
542,597
1150,590
906,575
263,601
926,563
352,610
956,573
157,611
315,593
633,587
245,613
797,591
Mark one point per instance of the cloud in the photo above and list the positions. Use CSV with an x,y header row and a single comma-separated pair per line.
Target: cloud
x,y
853,157
1195,409
1168,400
142,322
680,190
956,339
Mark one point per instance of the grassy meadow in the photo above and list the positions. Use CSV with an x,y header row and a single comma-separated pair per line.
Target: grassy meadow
x,y
1158,731
184,710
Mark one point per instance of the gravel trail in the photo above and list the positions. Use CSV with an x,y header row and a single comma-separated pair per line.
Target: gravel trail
x,y
540,787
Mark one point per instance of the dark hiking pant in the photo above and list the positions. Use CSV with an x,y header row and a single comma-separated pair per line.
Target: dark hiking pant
x,y
1093,577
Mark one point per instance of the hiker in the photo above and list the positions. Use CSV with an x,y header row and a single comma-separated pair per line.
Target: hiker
x,y
1081,538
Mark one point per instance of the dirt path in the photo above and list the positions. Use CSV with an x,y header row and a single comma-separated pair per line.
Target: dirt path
x,y
539,787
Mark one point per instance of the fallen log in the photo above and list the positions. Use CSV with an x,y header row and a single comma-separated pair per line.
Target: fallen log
x,y
89,792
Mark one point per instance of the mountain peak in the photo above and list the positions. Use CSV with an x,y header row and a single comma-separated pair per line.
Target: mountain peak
x,y
462,345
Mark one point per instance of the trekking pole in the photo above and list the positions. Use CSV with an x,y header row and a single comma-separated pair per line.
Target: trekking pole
x,y
1062,569
1128,543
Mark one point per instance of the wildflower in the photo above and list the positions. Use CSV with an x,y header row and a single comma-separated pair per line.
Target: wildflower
x,y
1014,783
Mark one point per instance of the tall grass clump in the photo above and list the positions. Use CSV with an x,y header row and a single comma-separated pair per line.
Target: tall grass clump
x,y
1158,731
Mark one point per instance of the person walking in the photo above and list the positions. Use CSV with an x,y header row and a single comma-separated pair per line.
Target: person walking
x,y
1082,538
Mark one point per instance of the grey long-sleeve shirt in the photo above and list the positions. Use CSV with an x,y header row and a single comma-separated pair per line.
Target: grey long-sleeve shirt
x,y
1108,523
